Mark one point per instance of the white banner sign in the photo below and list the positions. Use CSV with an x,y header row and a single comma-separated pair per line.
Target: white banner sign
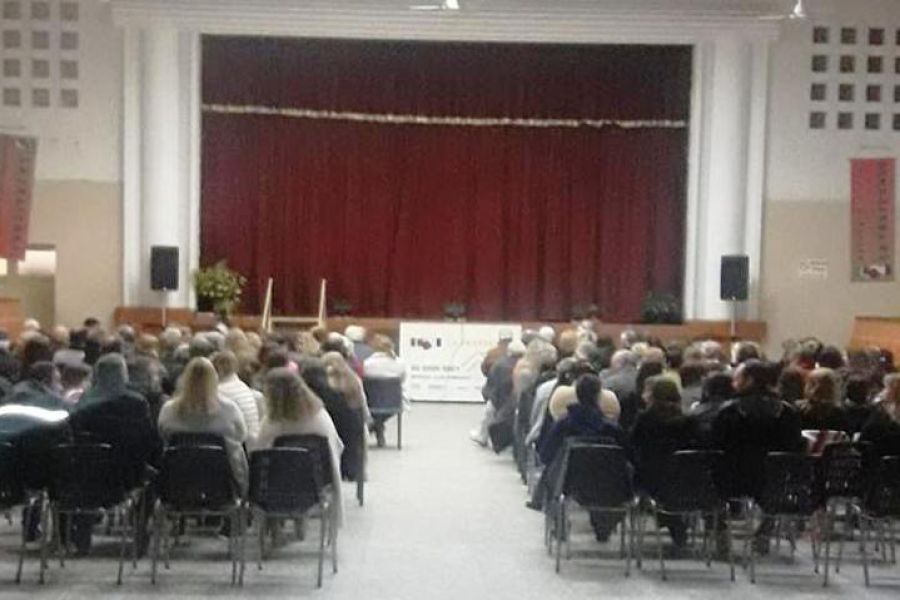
x,y
444,359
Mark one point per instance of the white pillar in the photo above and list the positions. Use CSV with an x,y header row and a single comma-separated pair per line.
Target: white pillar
x,y
160,167
722,207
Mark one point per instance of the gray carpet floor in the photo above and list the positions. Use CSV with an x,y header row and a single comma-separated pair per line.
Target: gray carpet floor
x,y
443,518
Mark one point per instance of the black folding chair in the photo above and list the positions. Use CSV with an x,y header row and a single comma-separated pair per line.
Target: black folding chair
x,y
321,453
385,398
195,438
788,497
880,508
842,482
196,481
689,492
597,477
286,483
13,494
88,480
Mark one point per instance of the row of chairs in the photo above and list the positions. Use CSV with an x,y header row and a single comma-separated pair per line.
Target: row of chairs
x,y
800,489
290,481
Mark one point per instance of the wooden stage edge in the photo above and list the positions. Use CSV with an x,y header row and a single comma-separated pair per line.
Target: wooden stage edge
x,y
150,320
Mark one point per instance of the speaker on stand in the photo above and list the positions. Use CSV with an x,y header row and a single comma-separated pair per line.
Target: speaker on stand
x,y
164,273
734,284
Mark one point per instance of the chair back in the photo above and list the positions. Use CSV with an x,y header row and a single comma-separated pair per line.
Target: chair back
x,y
284,480
87,477
596,475
12,491
317,446
818,439
196,478
195,438
883,499
384,395
789,487
841,471
689,484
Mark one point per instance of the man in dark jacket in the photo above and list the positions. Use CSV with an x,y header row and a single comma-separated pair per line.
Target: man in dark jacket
x,y
752,424
113,414
621,379
38,389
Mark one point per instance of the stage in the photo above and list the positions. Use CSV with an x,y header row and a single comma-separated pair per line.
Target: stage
x,y
150,319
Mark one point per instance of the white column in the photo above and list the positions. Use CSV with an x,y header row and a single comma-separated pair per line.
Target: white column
x,y
160,170
722,209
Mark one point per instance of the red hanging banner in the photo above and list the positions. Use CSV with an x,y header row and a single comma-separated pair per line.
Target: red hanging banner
x,y
872,219
17,158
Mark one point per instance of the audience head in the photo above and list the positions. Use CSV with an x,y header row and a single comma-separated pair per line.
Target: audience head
x,y
74,375
382,343
692,374
662,391
566,365
628,338
340,376
652,354
59,336
200,347
91,323
36,349
112,344
712,351
831,357
752,377
125,332
516,349
622,359
645,372
528,335
31,325
198,387
147,345
891,394
567,342
547,333
744,351
791,384
674,355
288,398
693,355
169,340
822,387
44,373
355,333
541,354
335,342
717,388
858,390
226,363
587,389
307,344
110,373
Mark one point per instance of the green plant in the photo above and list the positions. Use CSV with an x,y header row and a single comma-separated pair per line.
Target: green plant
x,y
219,288
455,310
659,307
341,307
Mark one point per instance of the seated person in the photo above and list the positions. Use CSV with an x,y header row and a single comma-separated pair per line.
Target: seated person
x,y
883,427
197,408
564,396
292,408
749,426
75,378
857,404
717,390
658,432
383,364
113,414
39,388
582,419
820,409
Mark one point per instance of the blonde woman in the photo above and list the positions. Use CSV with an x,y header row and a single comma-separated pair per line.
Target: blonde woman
x,y
883,427
293,409
197,408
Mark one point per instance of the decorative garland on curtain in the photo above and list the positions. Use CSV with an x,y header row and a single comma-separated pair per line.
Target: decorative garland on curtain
x,y
391,119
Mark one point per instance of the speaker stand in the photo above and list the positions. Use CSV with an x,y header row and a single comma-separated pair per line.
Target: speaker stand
x,y
733,319
165,302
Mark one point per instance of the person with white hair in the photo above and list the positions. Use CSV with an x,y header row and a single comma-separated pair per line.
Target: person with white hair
x,y
621,379
31,325
357,335
547,333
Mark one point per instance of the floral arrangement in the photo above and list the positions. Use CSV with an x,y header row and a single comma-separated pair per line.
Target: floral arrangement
x,y
218,288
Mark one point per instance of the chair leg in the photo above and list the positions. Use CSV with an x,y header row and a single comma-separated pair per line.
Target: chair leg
x,y
729,541
639,518
261,522
158,528
28,515
123,544
659,545
360,489
333,528
623,526
628,524
400,430
233,543
322,534
560,530
827,531
749,544
864,525
45,526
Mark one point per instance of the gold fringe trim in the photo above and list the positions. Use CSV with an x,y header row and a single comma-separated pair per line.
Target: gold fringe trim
x,y
390,119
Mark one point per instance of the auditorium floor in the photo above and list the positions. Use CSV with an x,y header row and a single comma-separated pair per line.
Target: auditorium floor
x,y
443,519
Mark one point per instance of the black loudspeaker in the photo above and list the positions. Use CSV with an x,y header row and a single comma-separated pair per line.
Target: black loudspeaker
x,y
734,282
164,268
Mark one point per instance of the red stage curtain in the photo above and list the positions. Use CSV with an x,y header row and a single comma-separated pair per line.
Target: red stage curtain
x,y
517,223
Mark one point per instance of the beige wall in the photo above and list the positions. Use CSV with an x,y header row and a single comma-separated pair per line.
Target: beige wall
x,y
83,221
796,306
